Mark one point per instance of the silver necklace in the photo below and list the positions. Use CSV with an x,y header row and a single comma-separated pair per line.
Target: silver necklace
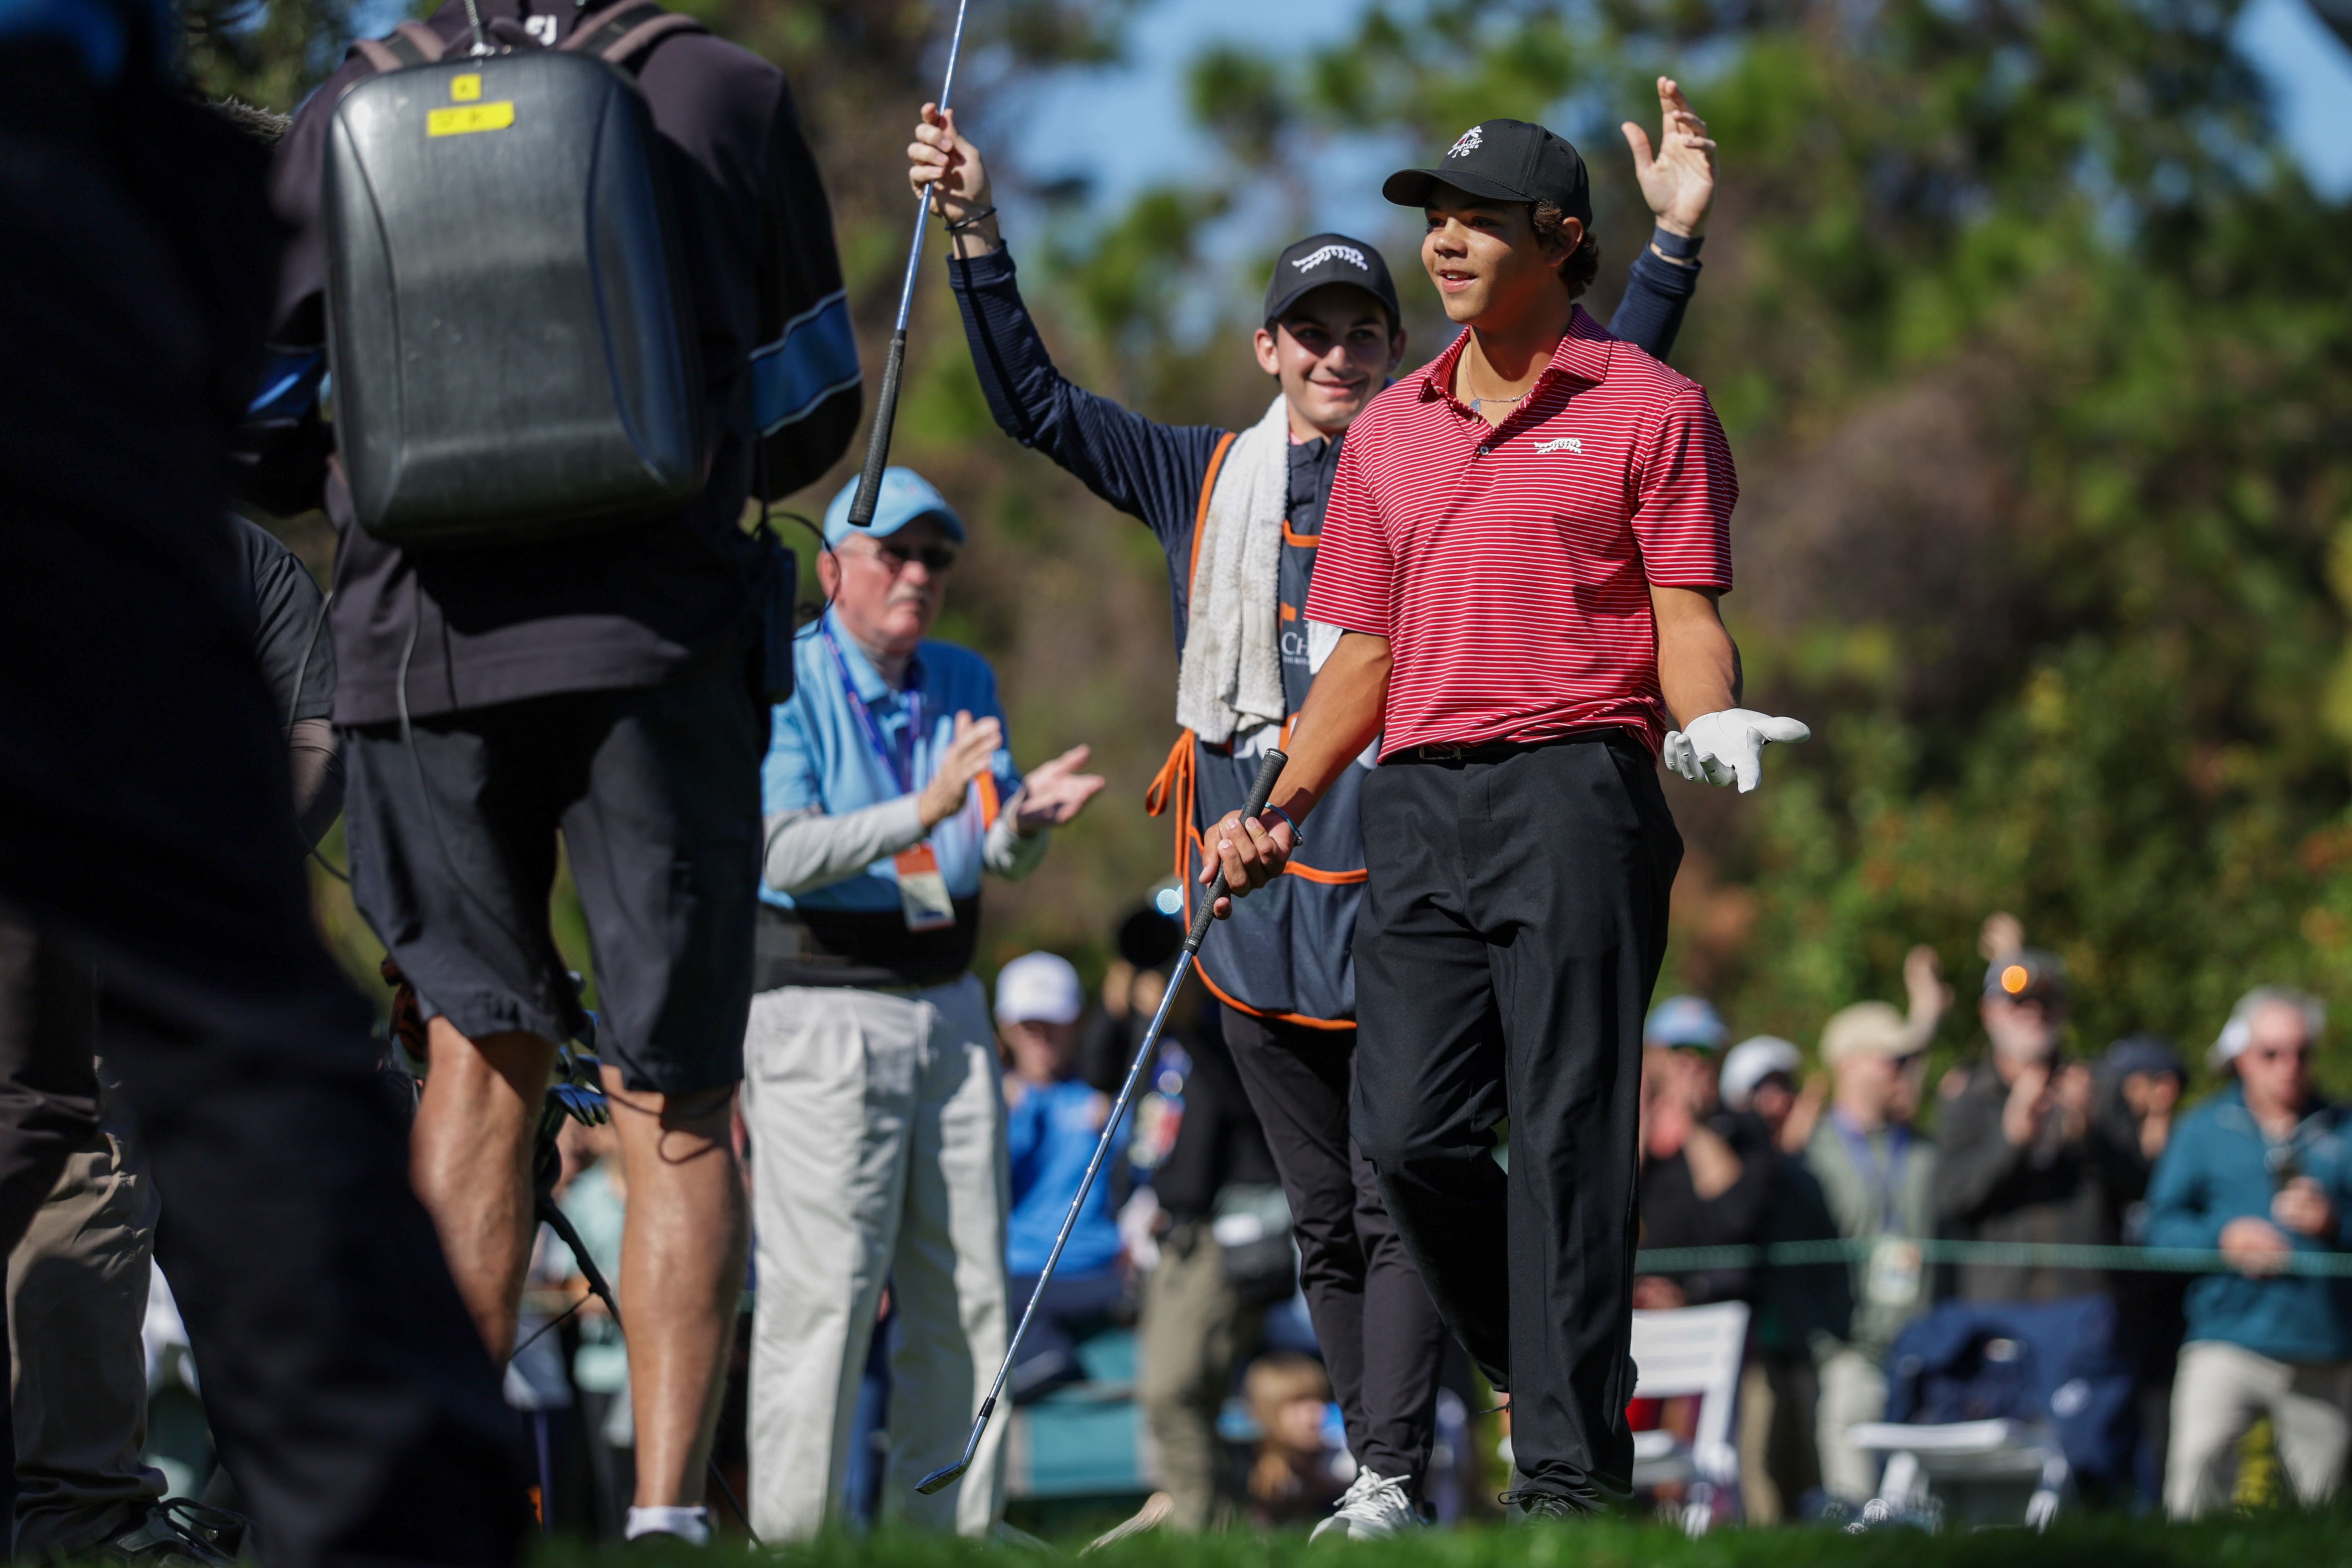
x,y
1477,403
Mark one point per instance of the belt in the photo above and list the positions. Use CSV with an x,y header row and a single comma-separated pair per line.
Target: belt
x,y
1496,750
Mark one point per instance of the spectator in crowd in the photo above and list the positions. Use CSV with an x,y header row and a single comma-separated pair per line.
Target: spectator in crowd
x,y
2140,1082
2018,1158
1879,1176
1779,1463
1132,984
2262,1173
1297,1473
1763,1075
1705,1170
1054,1122
871,1088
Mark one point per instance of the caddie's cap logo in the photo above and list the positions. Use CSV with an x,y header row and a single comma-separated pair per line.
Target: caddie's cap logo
x,y
1470,142
1347,253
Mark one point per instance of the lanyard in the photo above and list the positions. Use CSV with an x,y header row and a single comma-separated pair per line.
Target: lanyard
x,y
900,759
1887,1181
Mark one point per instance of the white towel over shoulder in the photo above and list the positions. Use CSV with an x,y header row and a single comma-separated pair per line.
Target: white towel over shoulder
x,y
1231,675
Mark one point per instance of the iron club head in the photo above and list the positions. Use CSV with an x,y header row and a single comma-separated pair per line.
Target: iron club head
x,y
942,1478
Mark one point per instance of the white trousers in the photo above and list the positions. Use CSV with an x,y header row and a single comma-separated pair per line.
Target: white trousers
x,y
1854,1390
877,1156
2218,1393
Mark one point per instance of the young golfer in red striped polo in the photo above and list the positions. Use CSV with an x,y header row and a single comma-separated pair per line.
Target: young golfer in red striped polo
x,y
1524,547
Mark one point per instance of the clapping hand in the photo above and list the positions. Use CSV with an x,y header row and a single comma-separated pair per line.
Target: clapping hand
x,y
1055,791
967,756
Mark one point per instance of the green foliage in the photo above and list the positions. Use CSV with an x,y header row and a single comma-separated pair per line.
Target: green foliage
x,y
266,52
2036,356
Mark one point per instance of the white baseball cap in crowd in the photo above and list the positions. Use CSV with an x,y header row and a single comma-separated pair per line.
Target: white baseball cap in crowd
x,y
1870,1029
1750,1062
1039,988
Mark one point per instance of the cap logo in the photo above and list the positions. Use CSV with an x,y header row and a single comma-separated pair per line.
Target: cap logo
x,y
1469,142
1347,253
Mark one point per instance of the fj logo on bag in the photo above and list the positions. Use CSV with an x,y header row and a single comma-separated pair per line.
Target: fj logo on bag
x,y
1561,444
1470,142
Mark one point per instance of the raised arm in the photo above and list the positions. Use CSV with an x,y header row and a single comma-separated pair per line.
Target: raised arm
x,y
1679,182
1143,468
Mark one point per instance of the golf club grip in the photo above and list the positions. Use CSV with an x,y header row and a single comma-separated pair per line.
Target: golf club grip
x,y
878,442
1261,791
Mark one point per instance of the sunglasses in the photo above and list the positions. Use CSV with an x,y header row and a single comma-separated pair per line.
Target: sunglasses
x,y
895,558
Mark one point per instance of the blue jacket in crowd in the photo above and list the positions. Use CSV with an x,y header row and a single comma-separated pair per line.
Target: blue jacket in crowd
x,y
2219,1167
1051,1135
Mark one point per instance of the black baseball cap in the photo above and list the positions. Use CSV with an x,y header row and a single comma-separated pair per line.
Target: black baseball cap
x,y
2029,975
1504,161
1321,258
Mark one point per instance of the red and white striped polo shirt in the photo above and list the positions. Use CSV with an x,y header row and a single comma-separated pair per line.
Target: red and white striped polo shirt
x,y
1511,568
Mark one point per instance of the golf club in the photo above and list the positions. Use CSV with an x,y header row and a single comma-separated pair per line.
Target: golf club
x,y
885,407
1268,771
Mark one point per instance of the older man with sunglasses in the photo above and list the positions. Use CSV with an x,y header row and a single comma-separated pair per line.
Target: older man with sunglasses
x,y
2260,1171
870,1077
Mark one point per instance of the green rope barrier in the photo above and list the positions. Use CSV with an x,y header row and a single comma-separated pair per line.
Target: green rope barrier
x,y
2029,1254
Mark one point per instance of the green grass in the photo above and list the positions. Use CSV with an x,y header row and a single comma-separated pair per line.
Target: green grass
x,y
2265,1540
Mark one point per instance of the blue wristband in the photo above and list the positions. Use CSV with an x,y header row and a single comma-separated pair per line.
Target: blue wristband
x,y
1298,834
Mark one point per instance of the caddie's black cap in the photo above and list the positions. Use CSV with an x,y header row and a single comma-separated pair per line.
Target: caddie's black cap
x,y
1321,258
1504,161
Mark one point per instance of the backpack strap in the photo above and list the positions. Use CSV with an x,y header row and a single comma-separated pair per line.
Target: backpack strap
x,y
410,44
627,30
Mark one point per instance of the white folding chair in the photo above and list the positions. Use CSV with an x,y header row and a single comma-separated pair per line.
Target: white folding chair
x,y
1979,1455
1693,1349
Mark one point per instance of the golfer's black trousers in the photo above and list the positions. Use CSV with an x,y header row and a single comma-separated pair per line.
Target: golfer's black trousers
x,y
1511,934
1382,1340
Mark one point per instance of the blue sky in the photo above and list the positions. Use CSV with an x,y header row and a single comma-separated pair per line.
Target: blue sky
x,y
1124,126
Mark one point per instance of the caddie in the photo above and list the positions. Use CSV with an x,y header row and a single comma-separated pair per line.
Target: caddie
x,y
1523,549
1239,517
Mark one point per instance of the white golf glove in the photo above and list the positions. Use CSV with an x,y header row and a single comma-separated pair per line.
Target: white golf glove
x,y
1721,747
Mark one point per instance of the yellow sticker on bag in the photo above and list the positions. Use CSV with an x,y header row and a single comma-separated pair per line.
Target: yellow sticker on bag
x,y
469,118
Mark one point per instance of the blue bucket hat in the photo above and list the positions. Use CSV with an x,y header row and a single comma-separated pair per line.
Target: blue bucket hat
x,y
906,496
1686,1021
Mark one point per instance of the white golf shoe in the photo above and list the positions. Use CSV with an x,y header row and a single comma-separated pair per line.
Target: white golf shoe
x,y
1373,1508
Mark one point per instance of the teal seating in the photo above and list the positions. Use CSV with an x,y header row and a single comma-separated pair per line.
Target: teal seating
x,y
1083,1440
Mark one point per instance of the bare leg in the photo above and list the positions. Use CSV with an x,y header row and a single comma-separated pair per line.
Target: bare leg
x,y
682,1254
469,1160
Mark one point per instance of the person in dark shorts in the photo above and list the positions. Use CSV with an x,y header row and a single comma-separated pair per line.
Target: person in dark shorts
x,y
605,689
143,782
1523,549
1238,517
